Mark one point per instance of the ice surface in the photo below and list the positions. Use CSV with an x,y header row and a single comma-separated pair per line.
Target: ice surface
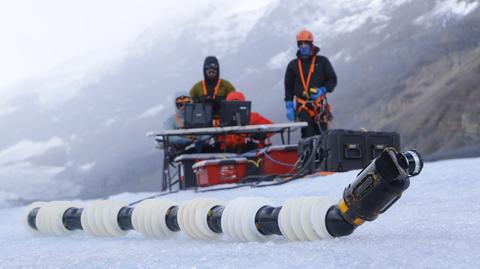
x,y
434,225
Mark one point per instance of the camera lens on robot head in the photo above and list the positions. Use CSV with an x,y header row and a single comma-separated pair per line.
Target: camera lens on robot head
x,y
414,162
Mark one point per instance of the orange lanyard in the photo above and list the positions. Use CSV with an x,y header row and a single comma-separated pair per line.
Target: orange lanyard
x,y
215,91
310,72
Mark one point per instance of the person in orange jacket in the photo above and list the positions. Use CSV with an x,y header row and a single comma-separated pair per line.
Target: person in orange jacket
x,y
255,118
245,142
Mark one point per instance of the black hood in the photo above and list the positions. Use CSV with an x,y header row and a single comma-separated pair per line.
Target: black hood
x,y
211,62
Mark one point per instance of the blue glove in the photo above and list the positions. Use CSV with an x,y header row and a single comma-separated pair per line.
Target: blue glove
x,y
290,110
319,92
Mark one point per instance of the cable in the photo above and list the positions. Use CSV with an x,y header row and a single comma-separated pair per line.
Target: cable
x,y
239,185
153,196
284,178
300,173
265,152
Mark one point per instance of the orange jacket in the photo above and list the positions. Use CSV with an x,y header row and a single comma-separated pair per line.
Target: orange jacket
x,y
237,141
257,119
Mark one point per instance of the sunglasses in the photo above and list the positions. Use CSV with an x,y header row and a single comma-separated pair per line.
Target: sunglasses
x,y
300,43
181,105
211,66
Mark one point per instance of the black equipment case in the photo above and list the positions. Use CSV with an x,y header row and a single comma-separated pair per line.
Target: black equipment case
x,y
345,150
340,150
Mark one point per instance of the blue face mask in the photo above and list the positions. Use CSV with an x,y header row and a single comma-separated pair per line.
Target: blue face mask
x,y
305,50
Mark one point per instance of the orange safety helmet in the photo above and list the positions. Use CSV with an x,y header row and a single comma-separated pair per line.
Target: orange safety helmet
x,y
236,96
305,35
183,99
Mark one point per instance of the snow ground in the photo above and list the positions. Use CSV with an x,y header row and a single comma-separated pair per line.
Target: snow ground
x,y
434,225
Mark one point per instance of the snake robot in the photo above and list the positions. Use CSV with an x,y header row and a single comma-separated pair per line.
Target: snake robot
x,y
377,187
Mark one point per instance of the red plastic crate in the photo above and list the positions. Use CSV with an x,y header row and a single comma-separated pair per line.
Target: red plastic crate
x,y
186,161
213,172
279,159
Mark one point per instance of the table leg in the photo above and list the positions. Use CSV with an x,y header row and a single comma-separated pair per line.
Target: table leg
x,y
166,165
289,132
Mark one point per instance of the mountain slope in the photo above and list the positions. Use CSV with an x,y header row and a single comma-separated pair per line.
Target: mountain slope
x,y
441,104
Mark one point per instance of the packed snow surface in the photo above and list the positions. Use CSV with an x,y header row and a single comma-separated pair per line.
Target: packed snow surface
x,y
434,225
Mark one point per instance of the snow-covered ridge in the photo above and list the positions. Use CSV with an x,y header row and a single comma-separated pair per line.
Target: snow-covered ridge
x,y
151,112
26,149
23,179
228,23
345,16
445,10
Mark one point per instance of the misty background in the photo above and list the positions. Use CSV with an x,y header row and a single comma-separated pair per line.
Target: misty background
x,y
82,83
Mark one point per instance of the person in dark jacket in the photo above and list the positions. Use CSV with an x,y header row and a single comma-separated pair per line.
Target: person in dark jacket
x,y
212,88
308,79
